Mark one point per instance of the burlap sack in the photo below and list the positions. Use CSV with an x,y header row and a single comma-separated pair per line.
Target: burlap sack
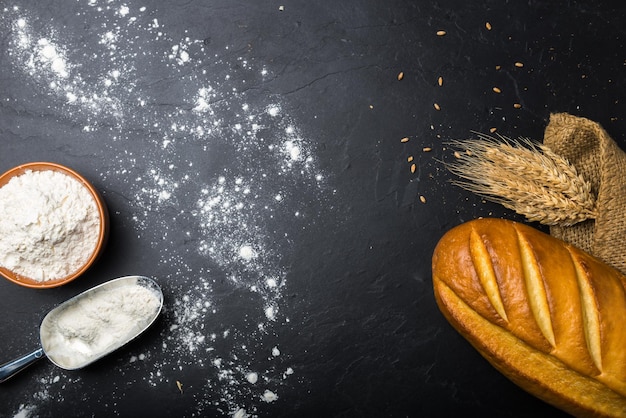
x,y
601,162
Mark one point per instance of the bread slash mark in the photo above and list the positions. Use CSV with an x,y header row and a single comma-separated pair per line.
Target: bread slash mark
x,y
537,297
591,322
487,276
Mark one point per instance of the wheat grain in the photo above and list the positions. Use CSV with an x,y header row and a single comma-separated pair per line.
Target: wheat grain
x,y
526,177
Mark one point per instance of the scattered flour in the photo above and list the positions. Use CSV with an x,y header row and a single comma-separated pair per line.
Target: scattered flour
x,y
246,211
240,413
269,396
246,252
49,55
287,372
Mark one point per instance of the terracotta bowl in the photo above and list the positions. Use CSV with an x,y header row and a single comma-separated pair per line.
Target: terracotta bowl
x,y
102,234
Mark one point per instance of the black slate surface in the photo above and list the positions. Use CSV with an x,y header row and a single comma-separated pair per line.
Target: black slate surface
x,y
298,102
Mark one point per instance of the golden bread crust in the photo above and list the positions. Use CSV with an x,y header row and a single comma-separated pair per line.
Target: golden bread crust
x,y
545,314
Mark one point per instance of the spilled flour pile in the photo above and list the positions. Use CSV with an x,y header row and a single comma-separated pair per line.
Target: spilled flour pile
x,y
238,231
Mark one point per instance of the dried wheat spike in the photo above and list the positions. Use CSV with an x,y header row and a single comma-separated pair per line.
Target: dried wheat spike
x,y
526,177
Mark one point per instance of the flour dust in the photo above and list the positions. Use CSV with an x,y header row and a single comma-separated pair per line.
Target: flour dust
x,y
223,215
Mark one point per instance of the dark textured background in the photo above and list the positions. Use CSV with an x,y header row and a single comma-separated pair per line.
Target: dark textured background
x,y
364,337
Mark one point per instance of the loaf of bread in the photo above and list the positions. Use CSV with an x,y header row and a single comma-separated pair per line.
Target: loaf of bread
x,y
545,314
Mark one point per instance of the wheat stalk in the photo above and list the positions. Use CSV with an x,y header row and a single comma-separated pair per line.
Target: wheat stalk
x,y
526,177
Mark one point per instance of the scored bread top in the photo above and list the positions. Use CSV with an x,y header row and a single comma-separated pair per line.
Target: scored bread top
x,y
550,295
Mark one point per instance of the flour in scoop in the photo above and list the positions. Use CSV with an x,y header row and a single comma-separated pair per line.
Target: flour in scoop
x,y
49,225
93,326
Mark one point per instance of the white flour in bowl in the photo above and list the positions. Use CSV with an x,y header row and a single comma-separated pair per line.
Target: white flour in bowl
x,y
49,225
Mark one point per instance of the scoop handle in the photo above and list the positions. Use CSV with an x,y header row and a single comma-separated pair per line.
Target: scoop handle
x,y
8,370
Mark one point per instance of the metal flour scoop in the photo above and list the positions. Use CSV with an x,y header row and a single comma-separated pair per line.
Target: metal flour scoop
x,y
93,324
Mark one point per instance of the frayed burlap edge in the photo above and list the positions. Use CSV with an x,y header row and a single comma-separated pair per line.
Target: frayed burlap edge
x,y
587,146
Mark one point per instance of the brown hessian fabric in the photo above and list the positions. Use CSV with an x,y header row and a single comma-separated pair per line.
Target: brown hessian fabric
x,y
587,146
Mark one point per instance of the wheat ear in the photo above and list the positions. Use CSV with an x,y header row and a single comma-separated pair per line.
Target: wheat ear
x,y
526,177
